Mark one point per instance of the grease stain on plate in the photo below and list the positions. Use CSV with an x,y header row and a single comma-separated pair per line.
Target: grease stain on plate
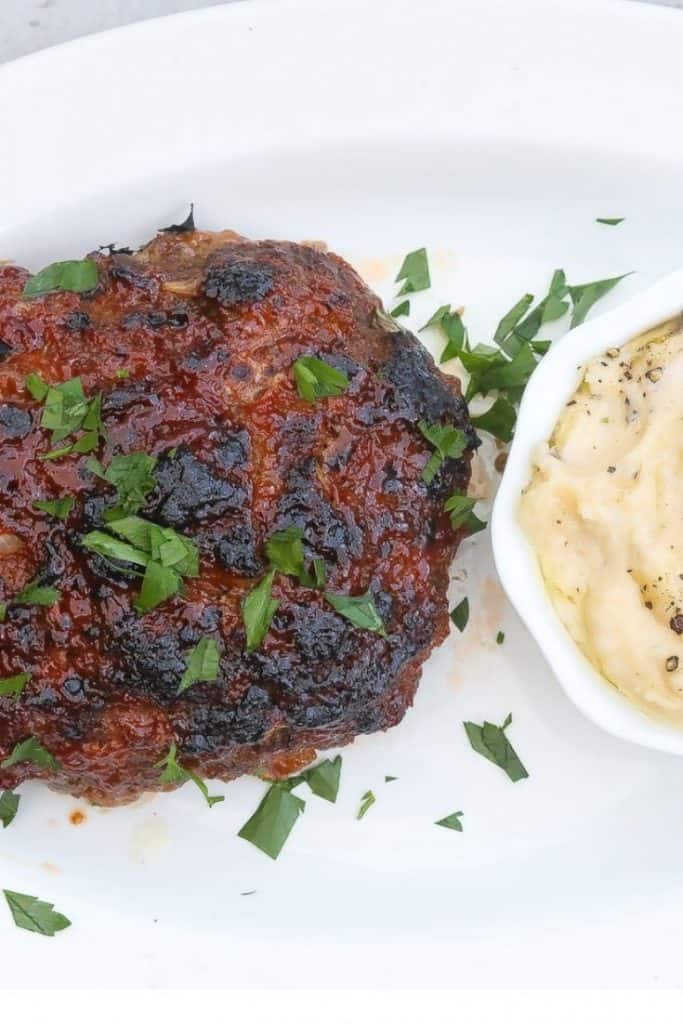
x,y
148,839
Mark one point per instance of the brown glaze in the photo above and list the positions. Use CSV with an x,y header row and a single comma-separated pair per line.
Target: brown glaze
x,y
208,326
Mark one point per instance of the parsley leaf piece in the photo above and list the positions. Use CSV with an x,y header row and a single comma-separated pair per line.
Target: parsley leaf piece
x,y
13,686
36,387
449,443
451,821
391,778
3,610
123,373
499,420
66,411
512,318
414,272
500,638
491,742
34,915
258,609
359,610
552,307
34,593
460,615
285,551
437,317
366,802
403,309
460,507
158,584
612,221
317,379
9,805
319,573
57,507
456,336
273,820
202,664
110,547
584,296
173,772
514,374
65,276
31,749
132,476
324,778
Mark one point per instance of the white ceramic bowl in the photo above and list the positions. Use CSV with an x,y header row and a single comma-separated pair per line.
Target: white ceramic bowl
x,y
550,387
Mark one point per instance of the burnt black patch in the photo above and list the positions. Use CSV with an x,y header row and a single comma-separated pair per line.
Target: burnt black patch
x,y
420,393
189,491
132,276
208,729
235,548
155,319
122,398
184,227
238,281
148,665
15,422
77,321
5,350
330,533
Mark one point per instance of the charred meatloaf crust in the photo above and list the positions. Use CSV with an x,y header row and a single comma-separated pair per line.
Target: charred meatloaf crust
x,y
183,354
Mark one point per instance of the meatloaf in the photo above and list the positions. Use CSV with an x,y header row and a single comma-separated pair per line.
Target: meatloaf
x,y
163,417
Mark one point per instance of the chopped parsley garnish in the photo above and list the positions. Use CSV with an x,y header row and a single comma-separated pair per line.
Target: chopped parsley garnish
x,y
166,555
403,309
360,610
9,805
366,802
512,318
13,686
414,272
454,329
132,476
36,593
57,507
612,221
584,296
492,743
258,609
319,573
460,615
67,411
451,821
123,373
448,442
285,551
500,638
3,610
202,664
31,750
173,772
391,778
460,506
36,386
34,915
498,420
323,778
273,820
317,379
65,276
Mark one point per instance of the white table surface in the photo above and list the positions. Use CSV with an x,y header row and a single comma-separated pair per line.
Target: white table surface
x,y
28,25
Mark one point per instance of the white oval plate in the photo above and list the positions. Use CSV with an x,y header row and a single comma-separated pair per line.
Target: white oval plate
x,y
494,133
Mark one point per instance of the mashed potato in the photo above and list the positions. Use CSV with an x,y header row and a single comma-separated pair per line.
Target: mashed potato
x,y
604,512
